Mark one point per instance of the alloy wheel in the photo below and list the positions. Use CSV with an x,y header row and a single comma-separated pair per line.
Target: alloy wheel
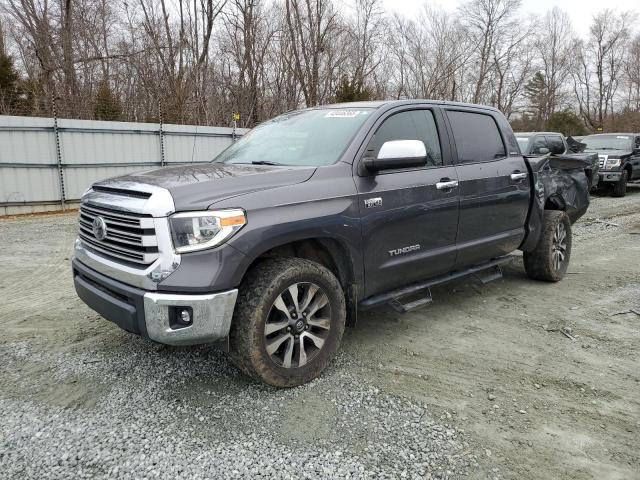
x,y
559,245
298,325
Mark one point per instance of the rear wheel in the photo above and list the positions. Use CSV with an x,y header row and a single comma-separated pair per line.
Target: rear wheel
x,y
550,259
620,187
288,322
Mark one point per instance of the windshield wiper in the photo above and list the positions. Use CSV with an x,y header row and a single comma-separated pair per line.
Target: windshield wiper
x,y
265,162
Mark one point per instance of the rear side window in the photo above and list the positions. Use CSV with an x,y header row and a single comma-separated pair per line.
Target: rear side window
x,y
556,145
477,137
537,144
411,125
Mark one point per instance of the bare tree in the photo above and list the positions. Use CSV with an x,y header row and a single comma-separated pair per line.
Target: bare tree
x,y
428,55
199,61
632,73
512,62
487,21
3,50
599,66
315,32
555,45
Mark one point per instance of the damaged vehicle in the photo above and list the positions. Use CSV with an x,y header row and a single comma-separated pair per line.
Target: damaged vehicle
x,y
273,247
555,144
619,159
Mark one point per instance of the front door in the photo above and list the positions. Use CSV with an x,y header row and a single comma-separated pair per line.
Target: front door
x,y
494,189
409,220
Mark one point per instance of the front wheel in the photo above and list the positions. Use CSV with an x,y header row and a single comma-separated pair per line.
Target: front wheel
x,y
620,187
288,321
550,259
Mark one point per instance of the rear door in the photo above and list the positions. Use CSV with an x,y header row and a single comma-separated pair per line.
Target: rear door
x,y
494,190
409,222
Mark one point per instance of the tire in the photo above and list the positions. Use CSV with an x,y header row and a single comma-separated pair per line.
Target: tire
x,y
287,349
620,187
550,259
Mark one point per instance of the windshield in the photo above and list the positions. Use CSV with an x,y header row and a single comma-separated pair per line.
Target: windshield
x,y
523,142
301,138
608,142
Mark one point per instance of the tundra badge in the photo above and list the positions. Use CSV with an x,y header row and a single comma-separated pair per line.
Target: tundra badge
x,y
400,251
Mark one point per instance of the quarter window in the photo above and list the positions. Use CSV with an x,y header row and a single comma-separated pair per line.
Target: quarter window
x,y
477,137
556,145
411,125
538,144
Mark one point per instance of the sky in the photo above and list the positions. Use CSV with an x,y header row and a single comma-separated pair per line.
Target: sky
x,y
581,11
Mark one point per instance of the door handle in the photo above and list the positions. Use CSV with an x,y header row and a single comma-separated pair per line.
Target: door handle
x,y
518,176
446,184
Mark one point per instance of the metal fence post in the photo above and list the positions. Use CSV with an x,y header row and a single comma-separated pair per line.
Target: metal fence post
x,y
161,134
56,134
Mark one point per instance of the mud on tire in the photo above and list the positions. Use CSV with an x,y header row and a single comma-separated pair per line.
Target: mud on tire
x,y
270,309
550,259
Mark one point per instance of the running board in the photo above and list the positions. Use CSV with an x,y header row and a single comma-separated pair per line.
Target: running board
x,y
489,275
488,271
423,300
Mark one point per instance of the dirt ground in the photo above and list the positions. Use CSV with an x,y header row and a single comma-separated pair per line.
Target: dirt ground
x,y
489,359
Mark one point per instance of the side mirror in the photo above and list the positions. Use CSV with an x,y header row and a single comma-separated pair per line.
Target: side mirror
x,y
543,151
398,154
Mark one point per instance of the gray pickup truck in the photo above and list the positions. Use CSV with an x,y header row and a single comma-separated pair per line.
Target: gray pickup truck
x,y
273,247
553,143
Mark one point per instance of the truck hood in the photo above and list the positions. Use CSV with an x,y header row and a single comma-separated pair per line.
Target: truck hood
x,y
197,186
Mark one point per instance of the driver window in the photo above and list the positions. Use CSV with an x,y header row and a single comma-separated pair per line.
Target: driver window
x,y
411,125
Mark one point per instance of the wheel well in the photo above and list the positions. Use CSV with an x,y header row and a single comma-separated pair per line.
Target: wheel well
x,y
628,168
329,253
589,173
555,202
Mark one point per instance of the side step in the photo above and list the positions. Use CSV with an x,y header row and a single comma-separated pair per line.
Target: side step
x,y
421,301
489,275
485,272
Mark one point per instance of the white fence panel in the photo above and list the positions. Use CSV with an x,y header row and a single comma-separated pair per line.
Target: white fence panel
x,y
31,170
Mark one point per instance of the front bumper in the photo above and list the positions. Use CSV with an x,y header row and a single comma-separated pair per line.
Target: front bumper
x,y
149,314
609,176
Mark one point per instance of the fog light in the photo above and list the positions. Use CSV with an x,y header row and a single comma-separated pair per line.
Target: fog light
x,y
180,317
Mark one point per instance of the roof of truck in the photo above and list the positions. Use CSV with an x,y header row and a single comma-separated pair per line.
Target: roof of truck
x,y
393,103
611,133
528,134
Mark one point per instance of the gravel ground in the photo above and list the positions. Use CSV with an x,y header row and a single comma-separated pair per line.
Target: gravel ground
x,y
189,414
481,384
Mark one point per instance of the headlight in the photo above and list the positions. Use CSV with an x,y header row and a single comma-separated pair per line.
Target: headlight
x,y
612,163
193,231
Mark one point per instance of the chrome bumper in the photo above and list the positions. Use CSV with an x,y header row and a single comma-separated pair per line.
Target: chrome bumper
x,y
606,176
154,314
212,315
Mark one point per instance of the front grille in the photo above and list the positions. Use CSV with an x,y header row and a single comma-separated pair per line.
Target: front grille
x,y
130,237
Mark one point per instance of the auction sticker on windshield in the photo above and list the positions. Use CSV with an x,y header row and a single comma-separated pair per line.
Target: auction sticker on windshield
x,y
345,113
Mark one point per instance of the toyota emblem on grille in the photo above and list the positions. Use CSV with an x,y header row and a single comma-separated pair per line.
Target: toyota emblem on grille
x,y
99,228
